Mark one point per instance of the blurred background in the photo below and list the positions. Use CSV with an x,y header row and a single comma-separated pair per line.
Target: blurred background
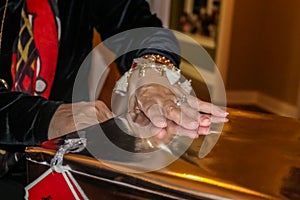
x,y
255,45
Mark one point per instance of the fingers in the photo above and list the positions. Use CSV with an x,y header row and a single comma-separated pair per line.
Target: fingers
x,y
157,103
202,119
185,120
206,107
184,115
175,129
156,116
175,114
144,128
102,111
188,117
203,130
72,117
218,119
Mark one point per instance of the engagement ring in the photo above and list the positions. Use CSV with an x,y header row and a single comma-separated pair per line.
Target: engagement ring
x,y
181,100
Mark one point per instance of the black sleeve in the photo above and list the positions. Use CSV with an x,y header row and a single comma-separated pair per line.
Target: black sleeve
x,y
24,119
116,16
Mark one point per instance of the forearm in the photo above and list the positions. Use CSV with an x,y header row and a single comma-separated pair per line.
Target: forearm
x,y
24,119
129,15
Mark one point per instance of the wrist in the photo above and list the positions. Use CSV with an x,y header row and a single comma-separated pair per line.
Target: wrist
x,y
148,69
152,76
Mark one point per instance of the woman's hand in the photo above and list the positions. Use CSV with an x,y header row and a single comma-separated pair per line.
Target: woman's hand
x,y
153,107
71,117
159,101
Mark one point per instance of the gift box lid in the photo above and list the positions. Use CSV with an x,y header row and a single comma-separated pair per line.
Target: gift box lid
x,y
255,157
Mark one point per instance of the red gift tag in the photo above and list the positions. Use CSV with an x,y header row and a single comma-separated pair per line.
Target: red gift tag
x,y
76,186
52,185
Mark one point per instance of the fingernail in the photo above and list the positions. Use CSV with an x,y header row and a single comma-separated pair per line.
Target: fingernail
x,y
224,114
206,120
162,124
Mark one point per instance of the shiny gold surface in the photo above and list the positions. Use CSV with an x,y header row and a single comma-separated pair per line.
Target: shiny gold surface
x,y
257,156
